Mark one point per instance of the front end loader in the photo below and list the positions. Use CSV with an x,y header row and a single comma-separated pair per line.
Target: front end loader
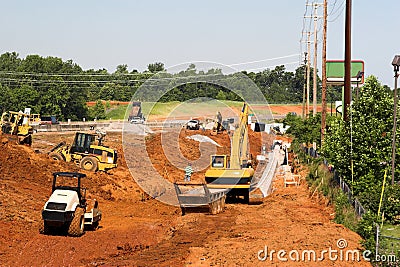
x,y
86,153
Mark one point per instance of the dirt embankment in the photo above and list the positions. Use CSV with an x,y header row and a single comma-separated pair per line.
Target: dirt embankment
x,y
25,185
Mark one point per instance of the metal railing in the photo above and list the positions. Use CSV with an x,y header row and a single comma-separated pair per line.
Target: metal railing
x,y
358,208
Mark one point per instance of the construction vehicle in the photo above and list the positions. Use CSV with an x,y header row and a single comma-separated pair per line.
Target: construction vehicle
x,y
233,172
17,124
193,124
34,119
68,208
86,153
136,115
48,120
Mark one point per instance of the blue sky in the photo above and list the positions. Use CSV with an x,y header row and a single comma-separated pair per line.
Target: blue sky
x,y
103,34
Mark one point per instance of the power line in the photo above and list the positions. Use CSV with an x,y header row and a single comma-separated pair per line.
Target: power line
x,y
111,80
262,60
340,8
289,63
47,81
72,74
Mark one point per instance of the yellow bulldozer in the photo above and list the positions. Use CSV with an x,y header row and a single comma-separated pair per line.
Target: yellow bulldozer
x,y
86,153
17,124
233,172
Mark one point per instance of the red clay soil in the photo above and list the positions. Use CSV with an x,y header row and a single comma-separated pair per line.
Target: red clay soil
x,y
92,103
189,149
137,231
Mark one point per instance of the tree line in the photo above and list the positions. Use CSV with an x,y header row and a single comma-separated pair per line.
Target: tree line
x,y
360,151
52,86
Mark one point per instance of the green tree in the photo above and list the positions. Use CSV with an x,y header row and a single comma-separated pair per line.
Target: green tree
x,y
221,95
9,61
156,67
122,69
98,111
358,148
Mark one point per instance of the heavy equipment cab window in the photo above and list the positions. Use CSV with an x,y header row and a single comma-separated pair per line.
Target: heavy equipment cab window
x,y
13,118
218,162
21,120
97,152
82,143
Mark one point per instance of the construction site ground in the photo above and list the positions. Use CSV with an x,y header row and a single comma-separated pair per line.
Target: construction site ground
x,y
137,230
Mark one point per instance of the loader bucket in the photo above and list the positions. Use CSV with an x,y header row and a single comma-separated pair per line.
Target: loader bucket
x,y
197,196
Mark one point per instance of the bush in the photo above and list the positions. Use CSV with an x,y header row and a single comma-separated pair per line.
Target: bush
x,y
391,205
344,212
366,228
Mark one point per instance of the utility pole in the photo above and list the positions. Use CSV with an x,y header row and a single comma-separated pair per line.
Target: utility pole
x,y
315,82
323,95
315,60
304,85
347,62
308,72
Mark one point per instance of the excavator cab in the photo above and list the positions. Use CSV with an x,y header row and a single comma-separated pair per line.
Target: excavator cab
x,y
219,161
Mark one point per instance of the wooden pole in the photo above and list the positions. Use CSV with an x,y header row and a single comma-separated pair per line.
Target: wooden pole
x,y
347,62
324,85
315,61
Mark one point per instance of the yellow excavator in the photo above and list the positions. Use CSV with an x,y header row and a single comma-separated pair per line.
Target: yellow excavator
x,y
228,175
17,124
233,172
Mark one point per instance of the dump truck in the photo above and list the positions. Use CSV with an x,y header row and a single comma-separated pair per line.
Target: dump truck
x,y
233,172
17,124
86,153
68,208
136,115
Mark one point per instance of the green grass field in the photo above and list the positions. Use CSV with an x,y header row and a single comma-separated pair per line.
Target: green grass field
x,y
175,109
389,245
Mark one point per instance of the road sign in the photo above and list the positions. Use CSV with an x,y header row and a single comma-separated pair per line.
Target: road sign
x,y
335,72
